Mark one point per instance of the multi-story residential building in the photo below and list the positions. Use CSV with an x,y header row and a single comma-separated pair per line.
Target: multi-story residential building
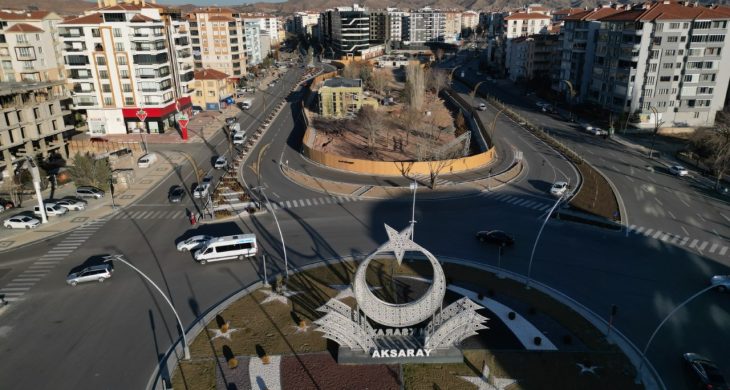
x,y
578,44
397,26
34,119
379,31
346,30
304,21
559,15
126,59
339,97
426,25
536,57
219,40
30,46
452,26
522,24
664,57
213,90
252,32
469,21
268,25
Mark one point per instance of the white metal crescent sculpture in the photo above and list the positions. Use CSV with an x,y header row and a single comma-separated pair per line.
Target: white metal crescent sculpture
x,y
405,314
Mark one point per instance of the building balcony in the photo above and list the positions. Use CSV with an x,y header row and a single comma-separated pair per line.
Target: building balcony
x,y
71,34
78,89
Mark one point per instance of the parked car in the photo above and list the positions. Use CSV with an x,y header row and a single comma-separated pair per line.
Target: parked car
x,y
721,281
176,194
51,209
6,204
71,205
21,222
705,372
193,243
559,188
230,121
201,190
96,273
678,170
497,237
147,160
89,192
220,163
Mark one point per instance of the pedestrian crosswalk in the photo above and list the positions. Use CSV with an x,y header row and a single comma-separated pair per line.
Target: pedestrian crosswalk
x,y
24,282
150,214
530,203
426,179
321,201
680,240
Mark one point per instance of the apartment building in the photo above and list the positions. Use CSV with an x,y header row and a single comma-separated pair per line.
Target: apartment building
x,y
397,26
426,25
218,40
522,24
469,21
346,30
34,119
252,33
30,46
340,97
303,22
534,58
127,60
213,90
379,31
663,57
269,25
452,26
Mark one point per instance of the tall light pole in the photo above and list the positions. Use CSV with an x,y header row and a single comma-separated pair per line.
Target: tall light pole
x,y
142,115
276,220
111,191
651,338
656,129
476,88
36,176
414,187
534,246
120,258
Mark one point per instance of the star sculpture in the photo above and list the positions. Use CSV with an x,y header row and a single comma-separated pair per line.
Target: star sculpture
x,y
399,243
225,335
272,296
345,290
587,369
483,381
301,329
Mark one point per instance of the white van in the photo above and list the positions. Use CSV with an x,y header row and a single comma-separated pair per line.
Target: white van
x,y
147,160
226,248
239,137
51,209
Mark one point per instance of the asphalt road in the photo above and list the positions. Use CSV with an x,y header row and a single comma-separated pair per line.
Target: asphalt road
x,y
110,335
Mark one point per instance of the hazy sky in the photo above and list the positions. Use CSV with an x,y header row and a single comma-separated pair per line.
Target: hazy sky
x,y
216,2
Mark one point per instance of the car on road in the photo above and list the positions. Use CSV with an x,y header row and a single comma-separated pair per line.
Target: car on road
x,y
596,131
678,170
202,189
51,209
176,194
193,243
220,163
21,222
89,192
71,205
497,237
705,372
230,120
721,281
96,273
482,106
559,188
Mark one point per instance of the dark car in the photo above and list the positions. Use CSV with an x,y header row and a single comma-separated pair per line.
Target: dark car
x,y
230,120
705,372
176,194
497,237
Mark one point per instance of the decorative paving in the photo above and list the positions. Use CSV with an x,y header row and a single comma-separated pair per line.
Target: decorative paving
x,y
145,181
6,244
79,219
265,376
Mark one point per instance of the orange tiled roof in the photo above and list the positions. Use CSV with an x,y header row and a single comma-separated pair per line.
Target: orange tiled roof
x,y
23,28
209,74
121,7
94,18
593,14
139,18
568,11
221,18
670,11
525,15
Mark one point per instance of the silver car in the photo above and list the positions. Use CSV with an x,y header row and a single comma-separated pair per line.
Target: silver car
x,y
71,205
192,243
721,281
96,273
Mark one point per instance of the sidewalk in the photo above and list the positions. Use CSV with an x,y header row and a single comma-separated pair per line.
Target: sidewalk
x,y
96,209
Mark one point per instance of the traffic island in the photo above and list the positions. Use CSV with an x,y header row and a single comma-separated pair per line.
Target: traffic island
x,y
273,333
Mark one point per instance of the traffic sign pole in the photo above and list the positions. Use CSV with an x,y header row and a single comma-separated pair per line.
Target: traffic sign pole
x,y
183,122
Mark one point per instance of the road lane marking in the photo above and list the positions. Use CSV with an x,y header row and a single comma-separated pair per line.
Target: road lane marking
x,y
639,230
703,246
713,247
657,234
666,236
684,241
630,179
723,251
725,216
648,232
288,205
26,279
671,214
685,203
658,201
694,243
675,239
686,233
701,217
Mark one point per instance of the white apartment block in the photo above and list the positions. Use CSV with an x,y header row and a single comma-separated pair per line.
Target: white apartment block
x,y
126,58
304,21
426,25
666,57
452,26
252,31
219,40
30,46
397,29
469,20
268,25
522,24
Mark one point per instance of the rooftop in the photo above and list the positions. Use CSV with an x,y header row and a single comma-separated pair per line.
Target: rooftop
x,y
23,28
525,15
209,74
12,88
339,82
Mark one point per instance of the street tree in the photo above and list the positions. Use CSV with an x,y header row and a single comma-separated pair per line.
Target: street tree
x,y
415,85
410,119
372,123
351,70
85,170
380,80
438,79
459,124
366,72
713,146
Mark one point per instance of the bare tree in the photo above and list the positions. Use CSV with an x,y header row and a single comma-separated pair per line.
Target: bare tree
x,y
351,70
713,146
438,166
365,72
380,80
439,54
410,119
415,85
438,79
460,124
371,122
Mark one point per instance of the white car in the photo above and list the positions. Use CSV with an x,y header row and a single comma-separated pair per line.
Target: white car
x,y
220,163
192,243
678,170
201,191
71,205
482,107
721,281
559,188
21,222
51,209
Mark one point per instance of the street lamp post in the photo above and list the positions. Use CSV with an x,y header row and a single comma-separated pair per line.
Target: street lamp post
x,y
186,350
142,115
281,235
476,88
111,191
534,246
671,313
414,187
36,175
656,129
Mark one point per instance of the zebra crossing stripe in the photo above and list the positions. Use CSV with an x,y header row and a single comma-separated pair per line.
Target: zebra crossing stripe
x,y
25,288
308,203
675,239
665,237
639,230
513,200
648,232
288,205
713,247
702,247
529,203
327,200
684,241
501,197
694,243
723,251
657,234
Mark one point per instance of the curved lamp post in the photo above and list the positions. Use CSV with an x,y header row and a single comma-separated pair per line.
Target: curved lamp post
x,y
539,233
186,349
281,235
671,313
476,88
656,129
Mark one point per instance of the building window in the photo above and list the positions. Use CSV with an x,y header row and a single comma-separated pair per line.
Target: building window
x,y
124,73
21,38
669,52
119,46
117,32
127,87
129,101
36,113
106,88
101,60
667,65
107,101
719,24
103,74
713,51
122,60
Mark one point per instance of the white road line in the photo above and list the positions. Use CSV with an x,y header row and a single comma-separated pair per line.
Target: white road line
x,y
54,261
658,201
521,202
648,232
178,214
21,284
684,230
684,241
632,227
42,266
11,293
11,299
639,230
311,203
26,279
529,203
703,246
296,203
723,251
675,239
341,199
694,243
322,201
544,208
288,205
657,234
328,200
501,197
716,234
701,217
725,216
665,237
36,271
685,203
713,247
671,214
629,179
274,206
538,206
513,200
14,289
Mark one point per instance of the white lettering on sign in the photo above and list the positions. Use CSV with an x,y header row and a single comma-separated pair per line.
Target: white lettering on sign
x,y
396,353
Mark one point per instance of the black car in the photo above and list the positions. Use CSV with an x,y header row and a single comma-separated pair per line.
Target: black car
x,y
230,120
705,372
176,194
497,237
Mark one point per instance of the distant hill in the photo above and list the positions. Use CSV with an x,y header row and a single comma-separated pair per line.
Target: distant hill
x,y
61,7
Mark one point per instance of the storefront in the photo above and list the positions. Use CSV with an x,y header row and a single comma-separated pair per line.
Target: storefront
x,y
154,120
